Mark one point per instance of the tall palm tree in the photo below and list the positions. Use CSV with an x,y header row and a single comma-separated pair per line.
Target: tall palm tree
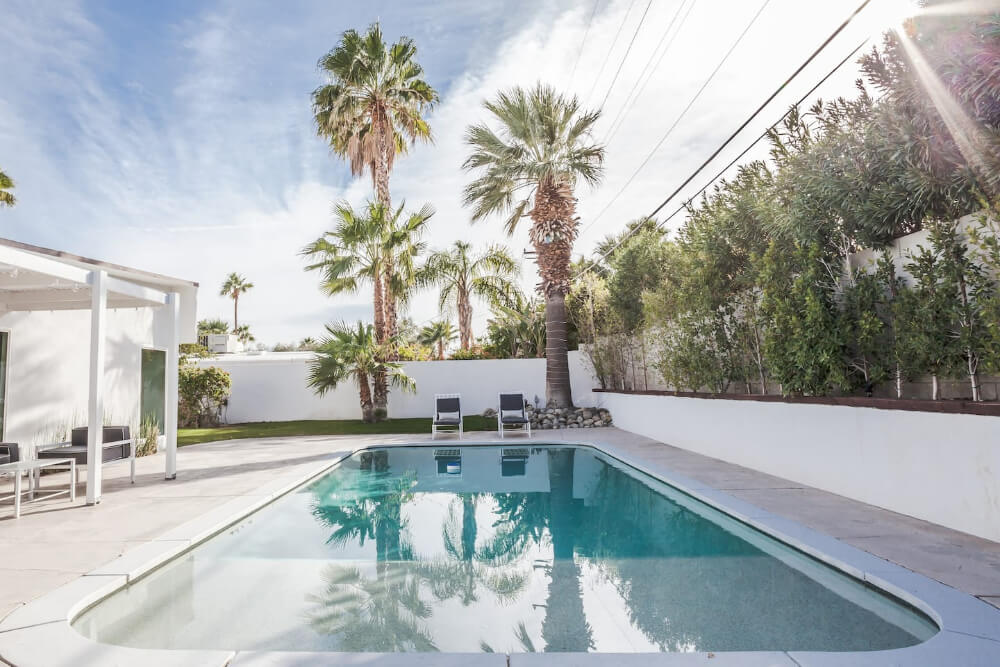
x,y
6,183
403,246
437,334
351,352
530,167
373,109
235,286
463,274
357,251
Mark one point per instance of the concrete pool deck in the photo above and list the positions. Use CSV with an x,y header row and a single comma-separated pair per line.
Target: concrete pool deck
x,y
55,543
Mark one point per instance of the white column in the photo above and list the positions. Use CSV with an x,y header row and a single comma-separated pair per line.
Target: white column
x,y
95,406
170,415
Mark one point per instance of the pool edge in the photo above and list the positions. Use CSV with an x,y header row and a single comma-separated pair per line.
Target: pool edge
x,y
969,628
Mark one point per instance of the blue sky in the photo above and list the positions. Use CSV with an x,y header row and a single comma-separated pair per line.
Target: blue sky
x,y
177,136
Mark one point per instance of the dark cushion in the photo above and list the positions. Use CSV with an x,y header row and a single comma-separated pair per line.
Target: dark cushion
x,y
513,420
78,436
511,401
448,405
446,422
79,453
9,452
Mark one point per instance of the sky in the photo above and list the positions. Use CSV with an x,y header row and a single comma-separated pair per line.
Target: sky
x,y
178,137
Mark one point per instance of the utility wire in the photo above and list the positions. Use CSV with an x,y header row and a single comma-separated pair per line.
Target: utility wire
x,y
684,205
627,106
608,56
614,79
583,43
683,113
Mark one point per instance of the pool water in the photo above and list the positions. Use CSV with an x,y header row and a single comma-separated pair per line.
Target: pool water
x,y
482,548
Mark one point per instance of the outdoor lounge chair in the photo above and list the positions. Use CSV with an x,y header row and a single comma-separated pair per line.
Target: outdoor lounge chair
x,y
9,453
447,414
117,446
512,413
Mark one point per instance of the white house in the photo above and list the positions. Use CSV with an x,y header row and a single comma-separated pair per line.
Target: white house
x,y
86,343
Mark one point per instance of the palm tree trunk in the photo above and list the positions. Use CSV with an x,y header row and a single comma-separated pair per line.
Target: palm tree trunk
x,y
236,322
365,394
552,234
440,348
464,319
379,381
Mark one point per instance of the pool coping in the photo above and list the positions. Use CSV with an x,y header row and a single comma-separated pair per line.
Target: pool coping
x,y
40,632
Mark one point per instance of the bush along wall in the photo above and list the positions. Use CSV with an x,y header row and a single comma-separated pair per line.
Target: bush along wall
x,y
759,290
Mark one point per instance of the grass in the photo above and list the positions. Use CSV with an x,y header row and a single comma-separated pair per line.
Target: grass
x,y
193,436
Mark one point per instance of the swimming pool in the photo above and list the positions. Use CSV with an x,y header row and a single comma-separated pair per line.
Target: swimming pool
x,y
505,549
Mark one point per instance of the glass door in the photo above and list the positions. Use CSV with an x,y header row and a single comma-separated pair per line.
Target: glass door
x,y
152,402
4,336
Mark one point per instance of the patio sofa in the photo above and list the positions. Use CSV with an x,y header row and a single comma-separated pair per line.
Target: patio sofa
x,y
117,441
9,453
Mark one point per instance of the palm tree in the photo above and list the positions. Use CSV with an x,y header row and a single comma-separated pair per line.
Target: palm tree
x,y
437,334
463,274
403,246
6,183
357,251
234,286
216,326
372,110
243,334
530,168
352,352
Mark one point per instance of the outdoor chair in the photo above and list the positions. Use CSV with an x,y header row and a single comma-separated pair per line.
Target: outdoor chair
x,y
512,414
9,453
118,446
447,415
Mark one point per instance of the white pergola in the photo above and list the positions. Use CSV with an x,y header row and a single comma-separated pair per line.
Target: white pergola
x,y
30,281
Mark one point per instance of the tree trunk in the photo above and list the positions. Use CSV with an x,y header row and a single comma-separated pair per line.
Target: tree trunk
x,y
380,385
552,234
441,348
236,322
464,318
557,384
365,395
935,387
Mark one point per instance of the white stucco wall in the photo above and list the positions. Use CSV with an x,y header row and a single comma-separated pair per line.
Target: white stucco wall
x,y
944,468
49,369
272,386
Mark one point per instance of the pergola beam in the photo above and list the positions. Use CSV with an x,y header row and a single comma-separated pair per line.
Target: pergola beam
x,y
50,267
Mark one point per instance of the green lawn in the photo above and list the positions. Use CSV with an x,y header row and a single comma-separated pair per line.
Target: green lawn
x,y
192,436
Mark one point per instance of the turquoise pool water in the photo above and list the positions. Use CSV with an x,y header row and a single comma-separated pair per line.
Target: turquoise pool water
x,y
482,548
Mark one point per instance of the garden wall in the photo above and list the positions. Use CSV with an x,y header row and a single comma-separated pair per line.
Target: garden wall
x,y
272,386
944,468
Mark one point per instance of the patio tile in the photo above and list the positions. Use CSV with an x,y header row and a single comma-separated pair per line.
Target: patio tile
x,y
292,659
57,605
136,562
944,648
735,659
992,599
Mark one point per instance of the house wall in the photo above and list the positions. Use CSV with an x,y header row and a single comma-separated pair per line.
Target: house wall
x,y
944,468
272,386
49,369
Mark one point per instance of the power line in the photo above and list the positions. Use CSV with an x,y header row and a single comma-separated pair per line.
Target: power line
x,y
722,171
623,112
583,43
608,56
614,79
677,120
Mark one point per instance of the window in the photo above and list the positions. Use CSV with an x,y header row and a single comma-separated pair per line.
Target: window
x,y
152,402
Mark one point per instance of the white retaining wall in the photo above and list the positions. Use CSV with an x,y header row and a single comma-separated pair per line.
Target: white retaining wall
x,y
272,386
943,468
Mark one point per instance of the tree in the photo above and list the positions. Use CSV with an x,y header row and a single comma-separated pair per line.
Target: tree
x,y
357,251
243,334
372,110
438,335
531,167
518,330
463,274
235,286
202,394
216,326
352,352
6,185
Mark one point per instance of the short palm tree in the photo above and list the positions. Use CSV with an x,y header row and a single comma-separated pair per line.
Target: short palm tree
x,y
243,334
437,335
215,326
351,352
530,167
357,251
463,274
403,246
235,286
6,184
373,109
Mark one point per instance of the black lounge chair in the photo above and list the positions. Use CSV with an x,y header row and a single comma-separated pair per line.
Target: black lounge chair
x,y
9,452
117,446
512,414
447,415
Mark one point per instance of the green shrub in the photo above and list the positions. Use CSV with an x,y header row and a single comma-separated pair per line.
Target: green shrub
x,y
202,394
474,353
149,432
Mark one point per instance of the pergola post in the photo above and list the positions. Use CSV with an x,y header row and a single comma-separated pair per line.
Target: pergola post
x,y
95,406
173,362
